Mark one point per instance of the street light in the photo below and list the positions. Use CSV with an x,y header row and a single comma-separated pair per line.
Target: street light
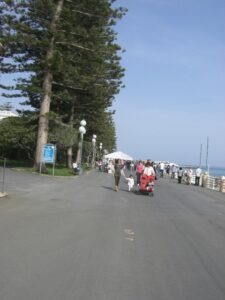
x,y
100,150
82,131
94,137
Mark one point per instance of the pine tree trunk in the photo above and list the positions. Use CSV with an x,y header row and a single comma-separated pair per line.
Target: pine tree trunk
x,y
70,148
69,157
42,137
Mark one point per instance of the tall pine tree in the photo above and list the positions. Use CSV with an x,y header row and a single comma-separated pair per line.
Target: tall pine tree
x,y
69,50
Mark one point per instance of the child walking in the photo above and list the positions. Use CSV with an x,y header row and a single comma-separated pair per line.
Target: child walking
x,y
130,182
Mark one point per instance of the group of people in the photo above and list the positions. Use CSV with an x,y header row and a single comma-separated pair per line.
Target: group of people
x,y
187,174
140,168
148,168
182,174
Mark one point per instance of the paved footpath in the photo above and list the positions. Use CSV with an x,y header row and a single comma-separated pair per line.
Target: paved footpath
x,y
77,239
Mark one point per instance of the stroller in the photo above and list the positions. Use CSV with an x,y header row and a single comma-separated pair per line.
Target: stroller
x,y
147,184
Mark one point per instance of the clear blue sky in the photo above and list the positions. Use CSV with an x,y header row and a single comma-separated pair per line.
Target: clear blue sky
x,y
175,80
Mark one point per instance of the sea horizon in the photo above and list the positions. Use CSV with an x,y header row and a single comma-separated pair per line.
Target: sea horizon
x,y
215,171
212,170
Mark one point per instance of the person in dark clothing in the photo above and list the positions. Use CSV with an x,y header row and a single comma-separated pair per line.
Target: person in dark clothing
x,y
139,171
180,175
117,173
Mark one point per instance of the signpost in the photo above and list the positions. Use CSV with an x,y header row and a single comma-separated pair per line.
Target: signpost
x,y
48,155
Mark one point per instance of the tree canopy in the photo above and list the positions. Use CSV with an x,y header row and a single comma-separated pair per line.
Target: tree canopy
x,y
69,51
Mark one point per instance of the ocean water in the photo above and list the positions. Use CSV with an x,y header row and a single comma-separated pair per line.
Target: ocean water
x,y
215,171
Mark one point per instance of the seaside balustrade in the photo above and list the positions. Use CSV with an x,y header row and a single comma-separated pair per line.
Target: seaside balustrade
x,y
214,183
211,182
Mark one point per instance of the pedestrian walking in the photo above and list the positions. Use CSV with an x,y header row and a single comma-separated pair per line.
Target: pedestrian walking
x,y
117,173
149,170
198,173
132,166
173,171
168,170
180,175
139,170
161,168
130,182
110,167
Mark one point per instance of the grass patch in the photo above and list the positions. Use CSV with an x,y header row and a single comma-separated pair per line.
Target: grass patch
x,y
59,171
27,166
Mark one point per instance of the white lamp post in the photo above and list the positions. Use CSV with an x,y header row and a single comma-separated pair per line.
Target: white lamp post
x,y
100,150
94,137
82,131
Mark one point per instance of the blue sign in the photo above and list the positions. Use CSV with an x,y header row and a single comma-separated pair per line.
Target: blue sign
x,y
48,153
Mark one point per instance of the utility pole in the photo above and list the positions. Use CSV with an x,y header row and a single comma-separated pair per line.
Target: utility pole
x,y
200,158
207,154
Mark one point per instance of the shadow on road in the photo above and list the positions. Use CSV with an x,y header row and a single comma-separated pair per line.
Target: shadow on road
x,y
120,189
107,187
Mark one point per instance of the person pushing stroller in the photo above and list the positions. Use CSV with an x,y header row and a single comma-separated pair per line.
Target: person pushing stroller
x,y
147,179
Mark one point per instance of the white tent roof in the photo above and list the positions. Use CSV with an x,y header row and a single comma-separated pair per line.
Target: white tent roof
x,y
119,155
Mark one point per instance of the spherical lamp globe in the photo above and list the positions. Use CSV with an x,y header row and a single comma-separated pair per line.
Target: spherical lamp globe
x,y
83,123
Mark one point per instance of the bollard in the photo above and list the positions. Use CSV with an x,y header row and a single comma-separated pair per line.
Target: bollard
x,y
222,184
205,179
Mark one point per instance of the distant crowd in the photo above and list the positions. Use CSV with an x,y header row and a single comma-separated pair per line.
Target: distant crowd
x,y
149,168
160,169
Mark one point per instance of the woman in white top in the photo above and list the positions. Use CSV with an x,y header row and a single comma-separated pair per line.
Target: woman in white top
x,y
149,170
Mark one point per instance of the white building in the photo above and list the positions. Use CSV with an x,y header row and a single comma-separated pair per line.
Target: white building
x,y
6,114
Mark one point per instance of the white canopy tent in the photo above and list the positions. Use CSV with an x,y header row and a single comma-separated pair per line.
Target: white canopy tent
x,y
119,155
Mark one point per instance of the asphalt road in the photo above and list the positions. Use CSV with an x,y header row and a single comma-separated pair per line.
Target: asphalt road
x,y
77,239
